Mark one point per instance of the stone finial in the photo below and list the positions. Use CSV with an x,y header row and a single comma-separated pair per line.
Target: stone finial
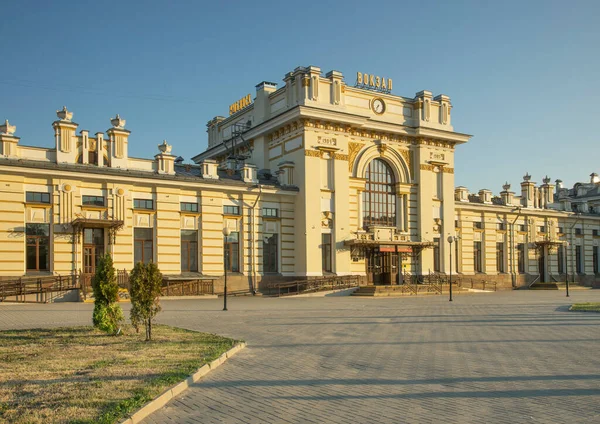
x,y
164,147
117,122
526,177
506,186
64,114
547,180
7,129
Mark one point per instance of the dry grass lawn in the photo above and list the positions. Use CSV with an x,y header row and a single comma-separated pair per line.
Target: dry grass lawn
x,y
585,307
81,375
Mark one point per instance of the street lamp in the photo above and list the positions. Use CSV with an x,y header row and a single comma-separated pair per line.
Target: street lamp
x,y
451,239
226,233
567,267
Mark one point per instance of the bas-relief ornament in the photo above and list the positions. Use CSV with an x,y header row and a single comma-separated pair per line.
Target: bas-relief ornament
x,y
326,220
340,156
313,153
353,149
407,155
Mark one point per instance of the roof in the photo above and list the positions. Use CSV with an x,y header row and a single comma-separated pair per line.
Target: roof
x,y
184,172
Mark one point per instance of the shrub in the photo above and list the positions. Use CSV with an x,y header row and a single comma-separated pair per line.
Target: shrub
x,y
145,282
108,315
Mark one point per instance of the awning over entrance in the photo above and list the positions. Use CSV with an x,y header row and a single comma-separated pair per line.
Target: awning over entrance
x,y
80,223
378,243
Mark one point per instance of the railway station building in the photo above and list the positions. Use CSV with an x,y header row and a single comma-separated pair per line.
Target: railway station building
x,y
312,178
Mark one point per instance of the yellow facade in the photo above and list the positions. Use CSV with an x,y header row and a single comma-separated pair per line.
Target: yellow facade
x,y
326,178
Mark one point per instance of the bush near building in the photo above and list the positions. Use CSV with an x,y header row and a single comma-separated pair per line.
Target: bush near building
x,y
145,282
108,315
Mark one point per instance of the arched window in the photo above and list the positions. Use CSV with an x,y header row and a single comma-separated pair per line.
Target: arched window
x,y
379,197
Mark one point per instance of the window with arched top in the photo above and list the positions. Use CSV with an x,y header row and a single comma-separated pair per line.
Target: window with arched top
x,y
379,197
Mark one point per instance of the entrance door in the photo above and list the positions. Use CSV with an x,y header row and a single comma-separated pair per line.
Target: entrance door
x,y
542,265
382,267
93,248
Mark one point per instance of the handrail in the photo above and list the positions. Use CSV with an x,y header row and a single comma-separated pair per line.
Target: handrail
x,y
535,280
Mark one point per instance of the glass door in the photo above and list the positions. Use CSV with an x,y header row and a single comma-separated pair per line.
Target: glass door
x,y
93,248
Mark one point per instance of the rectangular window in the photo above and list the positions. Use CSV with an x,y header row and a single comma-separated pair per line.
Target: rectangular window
x,y
456,223
501,226
561,230
326,252
232,252
270,213
595,232
189,251
92,201
436,255
578,264
143,204
522,228
561,259
478,225
142,245
270,253
542,229
477,258
578,231
231,210
595,258
500,257
35,197
38,247
189,207
521,258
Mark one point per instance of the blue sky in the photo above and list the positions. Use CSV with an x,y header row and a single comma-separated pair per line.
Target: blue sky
x,y
522,76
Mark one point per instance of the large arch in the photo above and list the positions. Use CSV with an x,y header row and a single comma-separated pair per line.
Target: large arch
x,y
391,156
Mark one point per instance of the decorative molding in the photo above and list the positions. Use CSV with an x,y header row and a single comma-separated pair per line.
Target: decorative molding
x,y
353,149
313,153
426,167
448,170
406,154
340,156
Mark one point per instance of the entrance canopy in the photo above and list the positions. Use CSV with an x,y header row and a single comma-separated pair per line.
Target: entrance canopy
x,y
80,223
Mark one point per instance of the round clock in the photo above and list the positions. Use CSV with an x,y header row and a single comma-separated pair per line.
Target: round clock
x,y
378,106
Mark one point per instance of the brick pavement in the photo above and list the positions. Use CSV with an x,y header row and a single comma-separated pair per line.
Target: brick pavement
x,y
513,357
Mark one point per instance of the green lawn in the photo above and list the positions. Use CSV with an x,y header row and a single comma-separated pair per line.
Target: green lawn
x,y
585,307
81,375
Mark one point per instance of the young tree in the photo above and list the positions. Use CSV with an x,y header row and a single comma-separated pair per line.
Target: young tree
x,y
145,282
108,315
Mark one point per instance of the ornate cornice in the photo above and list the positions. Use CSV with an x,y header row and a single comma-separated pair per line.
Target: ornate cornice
x,y
340,156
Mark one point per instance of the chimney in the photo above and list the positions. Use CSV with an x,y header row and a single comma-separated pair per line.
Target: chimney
x,y
209,169
8,142
64,136
461,194
485,195
336,79
165,161
507,195
249,173
118,139
527,192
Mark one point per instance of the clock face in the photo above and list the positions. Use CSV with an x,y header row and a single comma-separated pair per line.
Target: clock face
x,y
378,106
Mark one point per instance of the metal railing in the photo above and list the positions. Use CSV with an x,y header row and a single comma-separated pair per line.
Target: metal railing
x,y
313,285
187,288
19,287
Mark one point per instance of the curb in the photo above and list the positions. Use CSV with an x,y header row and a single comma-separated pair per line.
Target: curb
x,y
167,395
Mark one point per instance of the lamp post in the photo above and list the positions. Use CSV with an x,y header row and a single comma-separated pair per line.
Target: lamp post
x,y
226,232
451,239
567,268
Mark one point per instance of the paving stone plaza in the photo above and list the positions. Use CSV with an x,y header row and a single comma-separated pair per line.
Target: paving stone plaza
x,y
507,357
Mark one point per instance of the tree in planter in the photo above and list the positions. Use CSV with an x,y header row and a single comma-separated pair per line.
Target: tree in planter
x,y
108,315
145,282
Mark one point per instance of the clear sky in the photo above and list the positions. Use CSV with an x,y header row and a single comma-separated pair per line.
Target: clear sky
x,y
523,76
